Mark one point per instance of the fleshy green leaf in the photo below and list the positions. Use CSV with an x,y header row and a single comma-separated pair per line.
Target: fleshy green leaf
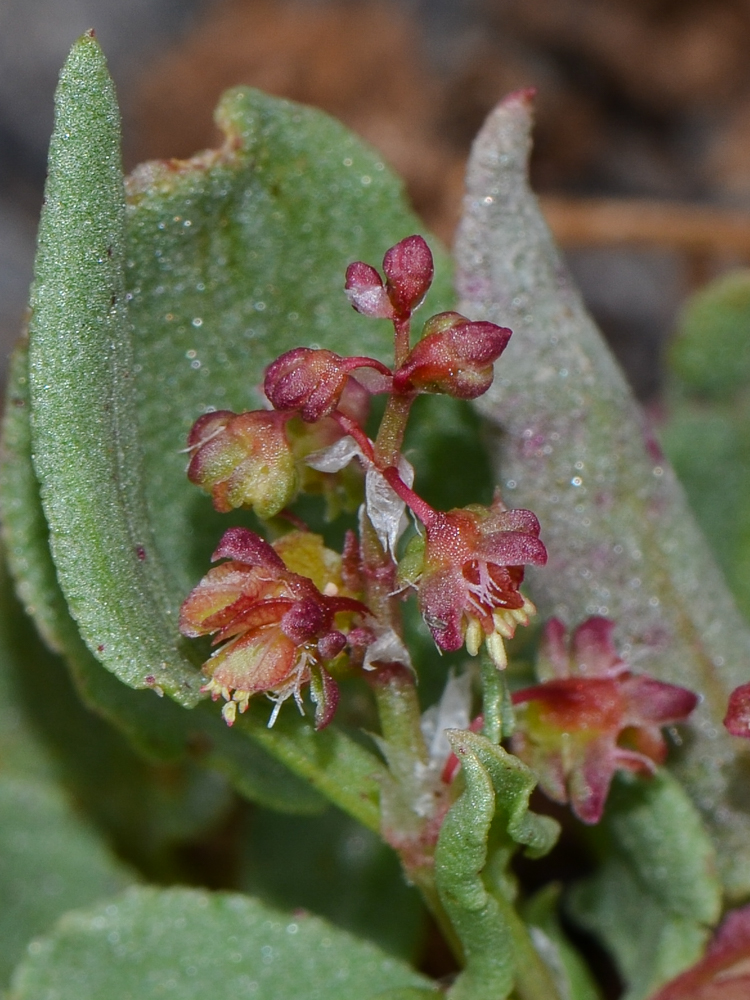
x,y
86,453
335,868
50,861
479,835
230,258
571,444
147,943
657,894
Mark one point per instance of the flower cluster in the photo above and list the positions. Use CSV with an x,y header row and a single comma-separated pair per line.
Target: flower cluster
x,y
591,716
277,630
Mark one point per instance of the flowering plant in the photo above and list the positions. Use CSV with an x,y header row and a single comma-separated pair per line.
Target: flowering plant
x,y
372,565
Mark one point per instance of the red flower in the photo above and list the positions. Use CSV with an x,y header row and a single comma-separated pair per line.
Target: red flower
x,y
591,717
737,719
467,571
278,628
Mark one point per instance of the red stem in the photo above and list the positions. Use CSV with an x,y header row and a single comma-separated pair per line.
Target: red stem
x,y
352,427
420,507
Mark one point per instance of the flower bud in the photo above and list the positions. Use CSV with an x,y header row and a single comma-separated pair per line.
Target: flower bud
x,y
366,292
312,381
409,269
455,357
243,460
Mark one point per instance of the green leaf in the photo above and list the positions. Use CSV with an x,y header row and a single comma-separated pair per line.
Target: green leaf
x,y
229,258
657,894
50,861
706,434
147,943
710,356
570,443
337,869
86,453
479,835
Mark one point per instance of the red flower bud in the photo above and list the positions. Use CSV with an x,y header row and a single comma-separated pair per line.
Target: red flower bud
x,y
312,381
454,356
366,292
408,269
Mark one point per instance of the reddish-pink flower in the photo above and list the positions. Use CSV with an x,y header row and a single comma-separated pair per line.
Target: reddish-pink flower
x,y
724,971
408,268
591,717
276,629
467,571
454,356
243,460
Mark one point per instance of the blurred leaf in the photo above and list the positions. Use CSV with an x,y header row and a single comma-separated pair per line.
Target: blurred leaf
x,y
144,808
480,834
657,894
50,861
710,357
706,435
550,940
337,869
571,444
147,943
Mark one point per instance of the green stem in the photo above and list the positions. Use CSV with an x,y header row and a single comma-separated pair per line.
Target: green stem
x,y
392,428
533,978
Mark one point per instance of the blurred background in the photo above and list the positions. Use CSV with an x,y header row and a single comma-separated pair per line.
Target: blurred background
x,y
642,146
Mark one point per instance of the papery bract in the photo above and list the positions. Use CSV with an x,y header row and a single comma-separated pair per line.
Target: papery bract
x,y
592,717
467,571
275,624
454,356
243,460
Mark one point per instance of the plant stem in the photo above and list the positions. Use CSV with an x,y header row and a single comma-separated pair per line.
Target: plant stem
x,y
533,978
